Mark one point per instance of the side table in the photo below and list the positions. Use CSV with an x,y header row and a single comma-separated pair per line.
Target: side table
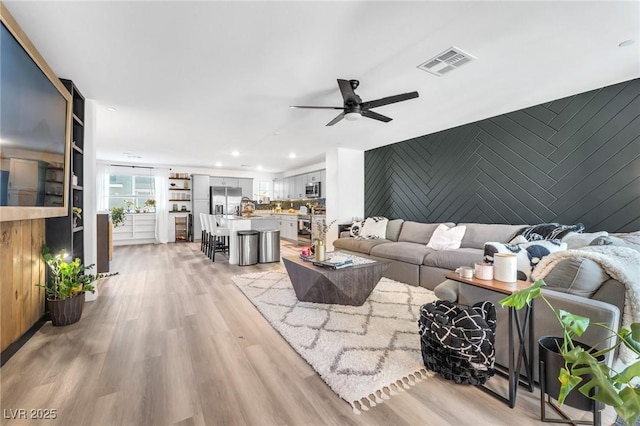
x,y
525,345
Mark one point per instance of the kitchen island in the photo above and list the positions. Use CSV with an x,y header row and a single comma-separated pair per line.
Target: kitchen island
x,y
239,223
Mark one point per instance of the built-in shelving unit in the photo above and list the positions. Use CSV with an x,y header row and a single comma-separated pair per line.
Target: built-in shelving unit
x,y
179,193
67,232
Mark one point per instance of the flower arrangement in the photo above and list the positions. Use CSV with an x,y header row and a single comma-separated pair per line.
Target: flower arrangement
x,y
117,216
149,204
321,229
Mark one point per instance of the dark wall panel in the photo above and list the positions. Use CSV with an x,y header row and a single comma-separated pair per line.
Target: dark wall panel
x,y
571,160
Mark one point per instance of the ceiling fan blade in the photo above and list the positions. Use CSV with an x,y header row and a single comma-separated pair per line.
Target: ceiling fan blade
x,y
389,100
375,115
348,94
314,107
335,120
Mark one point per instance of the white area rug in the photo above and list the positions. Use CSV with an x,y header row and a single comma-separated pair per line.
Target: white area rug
x,y
364,353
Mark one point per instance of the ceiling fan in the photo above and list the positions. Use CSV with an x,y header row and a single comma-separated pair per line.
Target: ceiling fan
x,y
354,108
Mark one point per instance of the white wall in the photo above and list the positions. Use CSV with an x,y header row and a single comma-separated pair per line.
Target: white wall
x,y
345,188
89,192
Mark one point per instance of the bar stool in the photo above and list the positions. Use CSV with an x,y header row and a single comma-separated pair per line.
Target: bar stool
x,y
206,234
203,235
220,237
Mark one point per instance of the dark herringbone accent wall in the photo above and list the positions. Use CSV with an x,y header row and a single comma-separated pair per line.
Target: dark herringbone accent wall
x,y
572,160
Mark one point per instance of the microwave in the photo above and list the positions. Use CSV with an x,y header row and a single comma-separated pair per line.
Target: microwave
x,y
312,190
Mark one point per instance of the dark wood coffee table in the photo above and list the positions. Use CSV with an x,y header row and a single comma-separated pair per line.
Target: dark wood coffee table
x,y
347,286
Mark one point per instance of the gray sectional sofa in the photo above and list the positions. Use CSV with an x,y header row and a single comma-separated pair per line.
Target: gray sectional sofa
x,y
412,262
579,285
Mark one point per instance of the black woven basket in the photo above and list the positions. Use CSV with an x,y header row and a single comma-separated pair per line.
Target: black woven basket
x,y
458,343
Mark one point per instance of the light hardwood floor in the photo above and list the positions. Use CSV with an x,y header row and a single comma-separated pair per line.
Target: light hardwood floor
x,y
172,341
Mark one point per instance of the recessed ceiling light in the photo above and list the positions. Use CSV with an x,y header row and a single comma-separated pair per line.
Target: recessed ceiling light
x,y
133,156
626,43
112,109
235,153
259,167
218,164
292,155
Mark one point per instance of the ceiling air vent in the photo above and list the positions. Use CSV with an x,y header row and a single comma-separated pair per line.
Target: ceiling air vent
x,y
446,61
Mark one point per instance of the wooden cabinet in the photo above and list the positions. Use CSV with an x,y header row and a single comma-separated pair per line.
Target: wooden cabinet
x,y
104,242
67,232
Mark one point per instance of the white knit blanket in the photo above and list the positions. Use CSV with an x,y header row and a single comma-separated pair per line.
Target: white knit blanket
x,y
620,263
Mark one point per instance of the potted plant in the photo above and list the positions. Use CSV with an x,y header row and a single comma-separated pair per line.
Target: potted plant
x,y
321,229
129,205
582,368
67,285
117,216
149,204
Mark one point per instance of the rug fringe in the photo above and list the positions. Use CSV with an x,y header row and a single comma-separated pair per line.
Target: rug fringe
x,y
389,390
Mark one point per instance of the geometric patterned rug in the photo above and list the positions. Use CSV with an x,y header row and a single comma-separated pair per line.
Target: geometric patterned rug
x,y
367,353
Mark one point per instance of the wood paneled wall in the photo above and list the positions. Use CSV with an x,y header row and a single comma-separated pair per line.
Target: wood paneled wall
x,y
571,160
21,267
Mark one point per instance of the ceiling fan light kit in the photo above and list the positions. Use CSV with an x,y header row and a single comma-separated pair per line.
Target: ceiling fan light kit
x,y
354,108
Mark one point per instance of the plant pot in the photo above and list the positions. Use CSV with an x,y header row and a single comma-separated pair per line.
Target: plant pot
x,y
66,311
320,252
550,364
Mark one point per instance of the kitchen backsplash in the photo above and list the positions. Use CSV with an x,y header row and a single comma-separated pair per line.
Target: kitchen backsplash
x,y
286,205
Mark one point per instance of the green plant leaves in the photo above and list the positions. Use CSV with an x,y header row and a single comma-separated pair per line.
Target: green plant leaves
x,y
629,410
575,324
521,298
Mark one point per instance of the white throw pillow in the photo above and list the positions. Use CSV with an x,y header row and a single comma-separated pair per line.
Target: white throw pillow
x,y
374,227
445,238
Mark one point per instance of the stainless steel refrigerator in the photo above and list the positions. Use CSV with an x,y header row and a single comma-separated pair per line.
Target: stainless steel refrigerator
x,y
225,200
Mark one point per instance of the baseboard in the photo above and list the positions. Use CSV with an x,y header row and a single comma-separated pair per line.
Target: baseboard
x,y
15,346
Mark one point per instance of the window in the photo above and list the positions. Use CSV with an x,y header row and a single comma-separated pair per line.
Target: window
x,y
130,192
263,190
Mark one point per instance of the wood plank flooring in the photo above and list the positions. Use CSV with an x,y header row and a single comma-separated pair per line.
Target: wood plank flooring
x,y
172,341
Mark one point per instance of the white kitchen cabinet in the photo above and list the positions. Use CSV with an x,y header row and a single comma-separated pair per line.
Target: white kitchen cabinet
x,y
278,189
313,177
288,226
23,175
138,228
299,183
224,181
247,187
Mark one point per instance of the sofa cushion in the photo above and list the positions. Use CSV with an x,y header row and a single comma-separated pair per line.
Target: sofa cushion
x,y
374,227
549,231
630,240
445,238
576,240
358,245
451,259
479,233
577,275
402,251
416,232
355,228
528,254
393,229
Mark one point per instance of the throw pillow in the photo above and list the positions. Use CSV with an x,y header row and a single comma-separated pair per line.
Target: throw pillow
x,y
549,231
630,240
445,238
528,254
577,240
356,226
374,227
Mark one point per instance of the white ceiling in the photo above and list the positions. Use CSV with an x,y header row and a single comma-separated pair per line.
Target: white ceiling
x,y
192,81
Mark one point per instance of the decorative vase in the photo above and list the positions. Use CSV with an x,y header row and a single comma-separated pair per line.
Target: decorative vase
x,y
66,311
505,267
321,254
